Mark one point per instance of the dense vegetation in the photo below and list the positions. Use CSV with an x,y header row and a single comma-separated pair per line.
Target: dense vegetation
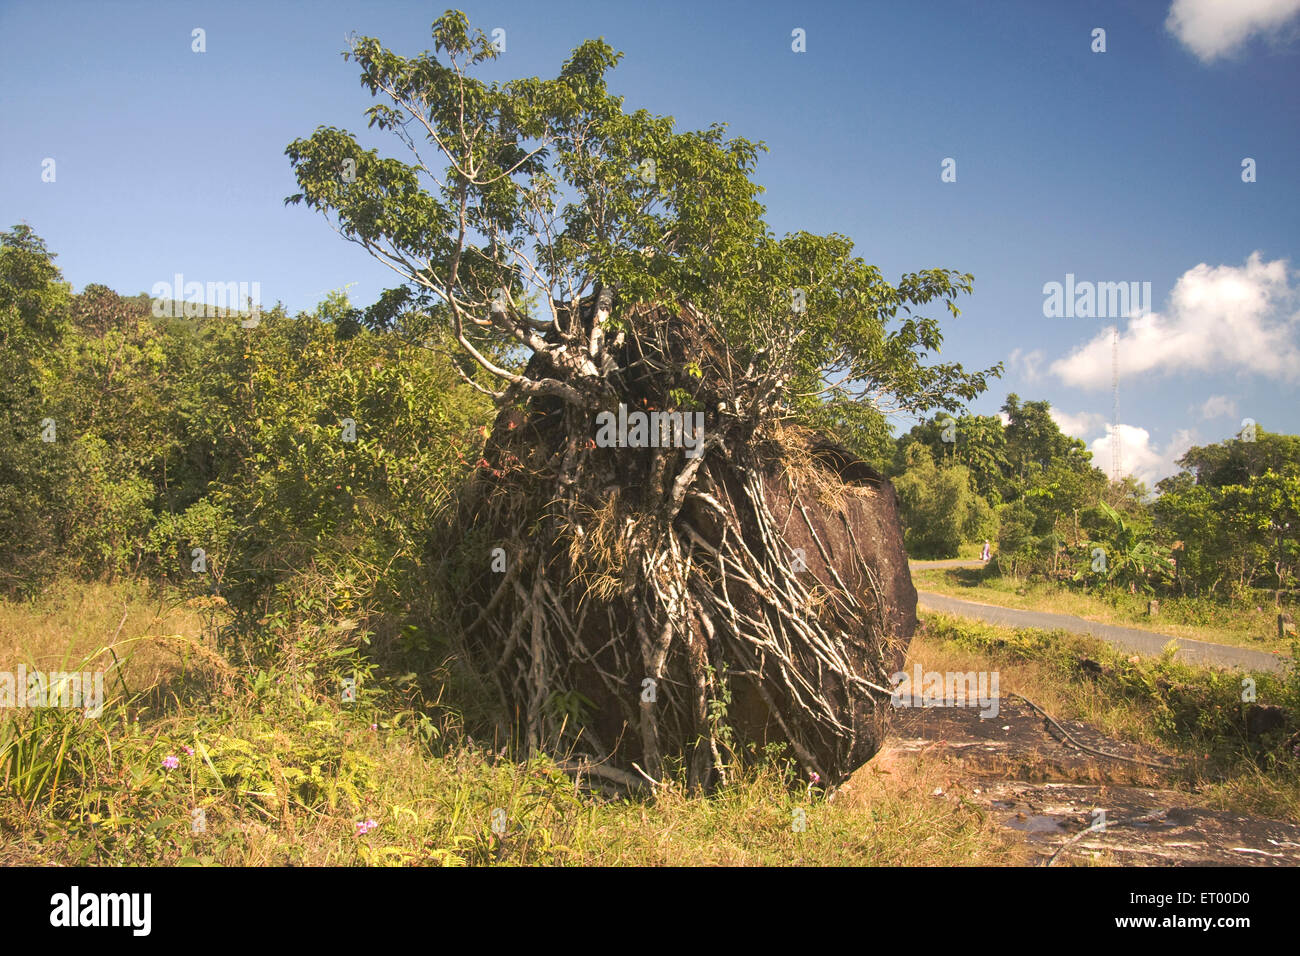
x,y
292,468
131,441
1226,527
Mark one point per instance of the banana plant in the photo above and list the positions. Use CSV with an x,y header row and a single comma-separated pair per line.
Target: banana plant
x,y
1128,557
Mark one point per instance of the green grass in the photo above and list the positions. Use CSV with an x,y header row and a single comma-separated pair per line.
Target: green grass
x,y
282,772
1195,618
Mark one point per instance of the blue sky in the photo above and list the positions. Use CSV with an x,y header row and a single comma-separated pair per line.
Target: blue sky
x,y
1115,166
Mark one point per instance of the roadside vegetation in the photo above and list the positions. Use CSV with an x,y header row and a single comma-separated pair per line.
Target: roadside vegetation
x,y
198,761
1200,619
1216,545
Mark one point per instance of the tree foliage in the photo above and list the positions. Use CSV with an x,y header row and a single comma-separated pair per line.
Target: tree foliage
x,y
547,190
170,435
940,508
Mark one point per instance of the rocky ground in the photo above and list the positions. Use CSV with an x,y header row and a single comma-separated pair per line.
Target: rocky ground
x,y
1073,807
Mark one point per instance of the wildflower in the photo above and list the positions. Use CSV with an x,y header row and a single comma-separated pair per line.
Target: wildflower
x,y
374,726
365,826
189,750
814,777
170,762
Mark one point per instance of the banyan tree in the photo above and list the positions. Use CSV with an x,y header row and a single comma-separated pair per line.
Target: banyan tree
x,y
670,555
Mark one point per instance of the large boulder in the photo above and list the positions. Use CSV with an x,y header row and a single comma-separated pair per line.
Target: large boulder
x,y
769,605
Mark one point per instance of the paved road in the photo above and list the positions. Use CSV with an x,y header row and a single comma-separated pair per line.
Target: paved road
x,y
1130,638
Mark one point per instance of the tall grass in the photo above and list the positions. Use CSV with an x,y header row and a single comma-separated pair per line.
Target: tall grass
x,y
218,764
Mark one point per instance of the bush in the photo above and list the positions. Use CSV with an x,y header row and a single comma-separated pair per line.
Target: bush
x,y
940,509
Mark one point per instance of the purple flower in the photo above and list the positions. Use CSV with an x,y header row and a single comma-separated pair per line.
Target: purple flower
x,y
170,762
189,750
364,827
814,777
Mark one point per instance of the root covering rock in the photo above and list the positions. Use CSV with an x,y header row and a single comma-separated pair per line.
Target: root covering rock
x,y
665,612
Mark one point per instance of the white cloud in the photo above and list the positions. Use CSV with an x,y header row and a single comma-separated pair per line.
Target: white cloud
x,y
1215,28
1220,318
1218,406
1078,426
1138,457
1029,362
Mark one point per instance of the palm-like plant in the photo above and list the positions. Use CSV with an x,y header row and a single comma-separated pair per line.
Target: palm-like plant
x,y
1131,556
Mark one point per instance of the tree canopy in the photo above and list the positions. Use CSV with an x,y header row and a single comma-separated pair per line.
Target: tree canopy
x,y
516,200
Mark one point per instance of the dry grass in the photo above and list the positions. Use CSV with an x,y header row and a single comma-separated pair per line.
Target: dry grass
x,y
803,474
1040,681
75,622
283,773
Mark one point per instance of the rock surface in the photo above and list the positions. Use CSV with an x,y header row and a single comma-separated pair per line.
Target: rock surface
x,y
1031,781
